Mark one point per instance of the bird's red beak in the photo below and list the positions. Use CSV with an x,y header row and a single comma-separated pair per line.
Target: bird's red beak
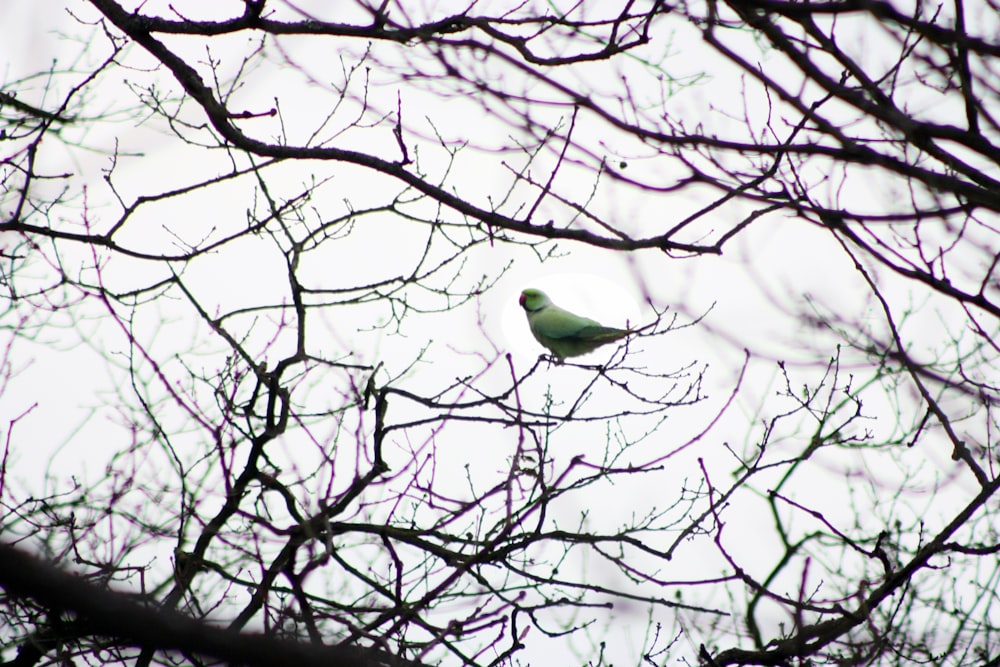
x,y
521,300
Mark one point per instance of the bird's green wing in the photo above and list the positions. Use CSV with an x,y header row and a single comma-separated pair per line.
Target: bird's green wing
x,y
600,333
557,323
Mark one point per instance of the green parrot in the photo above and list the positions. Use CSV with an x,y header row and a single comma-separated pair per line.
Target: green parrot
x,y
562,332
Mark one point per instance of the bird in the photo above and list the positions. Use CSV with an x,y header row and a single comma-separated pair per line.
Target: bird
x,y
562,332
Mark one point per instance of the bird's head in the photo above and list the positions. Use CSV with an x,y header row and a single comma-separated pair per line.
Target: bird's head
x,y
533,299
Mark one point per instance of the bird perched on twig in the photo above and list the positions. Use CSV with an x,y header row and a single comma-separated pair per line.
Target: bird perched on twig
x,y
562,332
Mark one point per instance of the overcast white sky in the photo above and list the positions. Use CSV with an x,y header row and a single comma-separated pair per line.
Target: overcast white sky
x,y
757,287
